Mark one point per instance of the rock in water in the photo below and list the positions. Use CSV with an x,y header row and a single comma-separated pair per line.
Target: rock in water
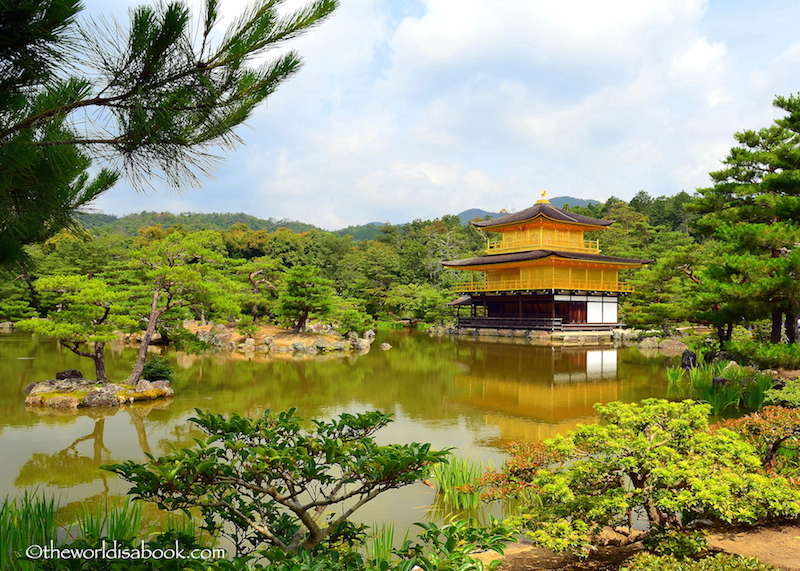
x,y
688,359
69,374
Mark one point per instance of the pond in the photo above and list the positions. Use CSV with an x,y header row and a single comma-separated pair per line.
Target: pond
x,y
475,395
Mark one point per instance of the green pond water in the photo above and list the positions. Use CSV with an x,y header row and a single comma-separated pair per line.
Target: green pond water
x,y
475,395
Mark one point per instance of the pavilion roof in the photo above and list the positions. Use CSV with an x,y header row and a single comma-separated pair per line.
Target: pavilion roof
x,y
542,209
540,254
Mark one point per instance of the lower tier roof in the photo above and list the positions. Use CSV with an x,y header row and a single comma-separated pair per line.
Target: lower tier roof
x,y
540,254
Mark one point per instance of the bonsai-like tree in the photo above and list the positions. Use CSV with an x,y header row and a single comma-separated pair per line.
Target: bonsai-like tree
x,y
87,315
267,483
657,459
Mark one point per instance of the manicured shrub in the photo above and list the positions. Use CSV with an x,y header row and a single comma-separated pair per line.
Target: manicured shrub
x,y
246,326
774,433
718,562
656,458
158,368
677,543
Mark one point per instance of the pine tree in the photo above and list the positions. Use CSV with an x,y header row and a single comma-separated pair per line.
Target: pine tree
x,y
150,101
88,315
753,210
304,294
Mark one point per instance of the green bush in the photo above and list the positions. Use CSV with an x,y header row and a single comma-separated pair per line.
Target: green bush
x,y
680,544
353,319
740,335
158,368
768,355
657,458
186,341
788,395
719,562
246,326
700,344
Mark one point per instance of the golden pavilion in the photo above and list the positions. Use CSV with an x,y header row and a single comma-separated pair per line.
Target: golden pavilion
x,y
540,273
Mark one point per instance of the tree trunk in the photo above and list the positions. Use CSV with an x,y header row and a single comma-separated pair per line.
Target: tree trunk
x,y
155,313
301,322
724,333
97,355
100,362
775,335
32,290
791,326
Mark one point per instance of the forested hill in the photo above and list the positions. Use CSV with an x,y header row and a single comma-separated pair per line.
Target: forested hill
x,y
130,223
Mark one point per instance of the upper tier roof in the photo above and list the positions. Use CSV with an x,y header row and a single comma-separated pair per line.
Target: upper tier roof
x,y
542,209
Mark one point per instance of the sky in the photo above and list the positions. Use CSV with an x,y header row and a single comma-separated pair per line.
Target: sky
x,y
412,109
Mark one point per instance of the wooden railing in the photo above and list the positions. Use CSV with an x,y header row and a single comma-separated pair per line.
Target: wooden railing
x,y
535,242
521,285
545,323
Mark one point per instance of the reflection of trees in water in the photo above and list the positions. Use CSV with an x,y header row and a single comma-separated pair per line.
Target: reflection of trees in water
x,y
414,374
70,467
180,435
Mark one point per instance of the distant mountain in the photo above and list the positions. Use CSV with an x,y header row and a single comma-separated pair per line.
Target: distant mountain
x,y
474,213
560,201
130,223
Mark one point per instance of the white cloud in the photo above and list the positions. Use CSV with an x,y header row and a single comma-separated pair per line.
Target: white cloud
x,y
420,108
702,60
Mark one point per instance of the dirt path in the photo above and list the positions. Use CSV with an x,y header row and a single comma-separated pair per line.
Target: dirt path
x,y
777,545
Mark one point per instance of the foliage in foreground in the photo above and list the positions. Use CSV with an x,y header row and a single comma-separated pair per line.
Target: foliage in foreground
x,y
267,482
150,98
718,562
774,433
657,459
436,548
34,520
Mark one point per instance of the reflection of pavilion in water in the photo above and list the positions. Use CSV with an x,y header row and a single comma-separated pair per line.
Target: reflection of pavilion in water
x,y
532,395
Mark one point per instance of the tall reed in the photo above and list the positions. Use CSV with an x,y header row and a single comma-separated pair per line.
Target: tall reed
x,y
742,390
675,375
122,522
452,476
381,542
389,325
31,519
